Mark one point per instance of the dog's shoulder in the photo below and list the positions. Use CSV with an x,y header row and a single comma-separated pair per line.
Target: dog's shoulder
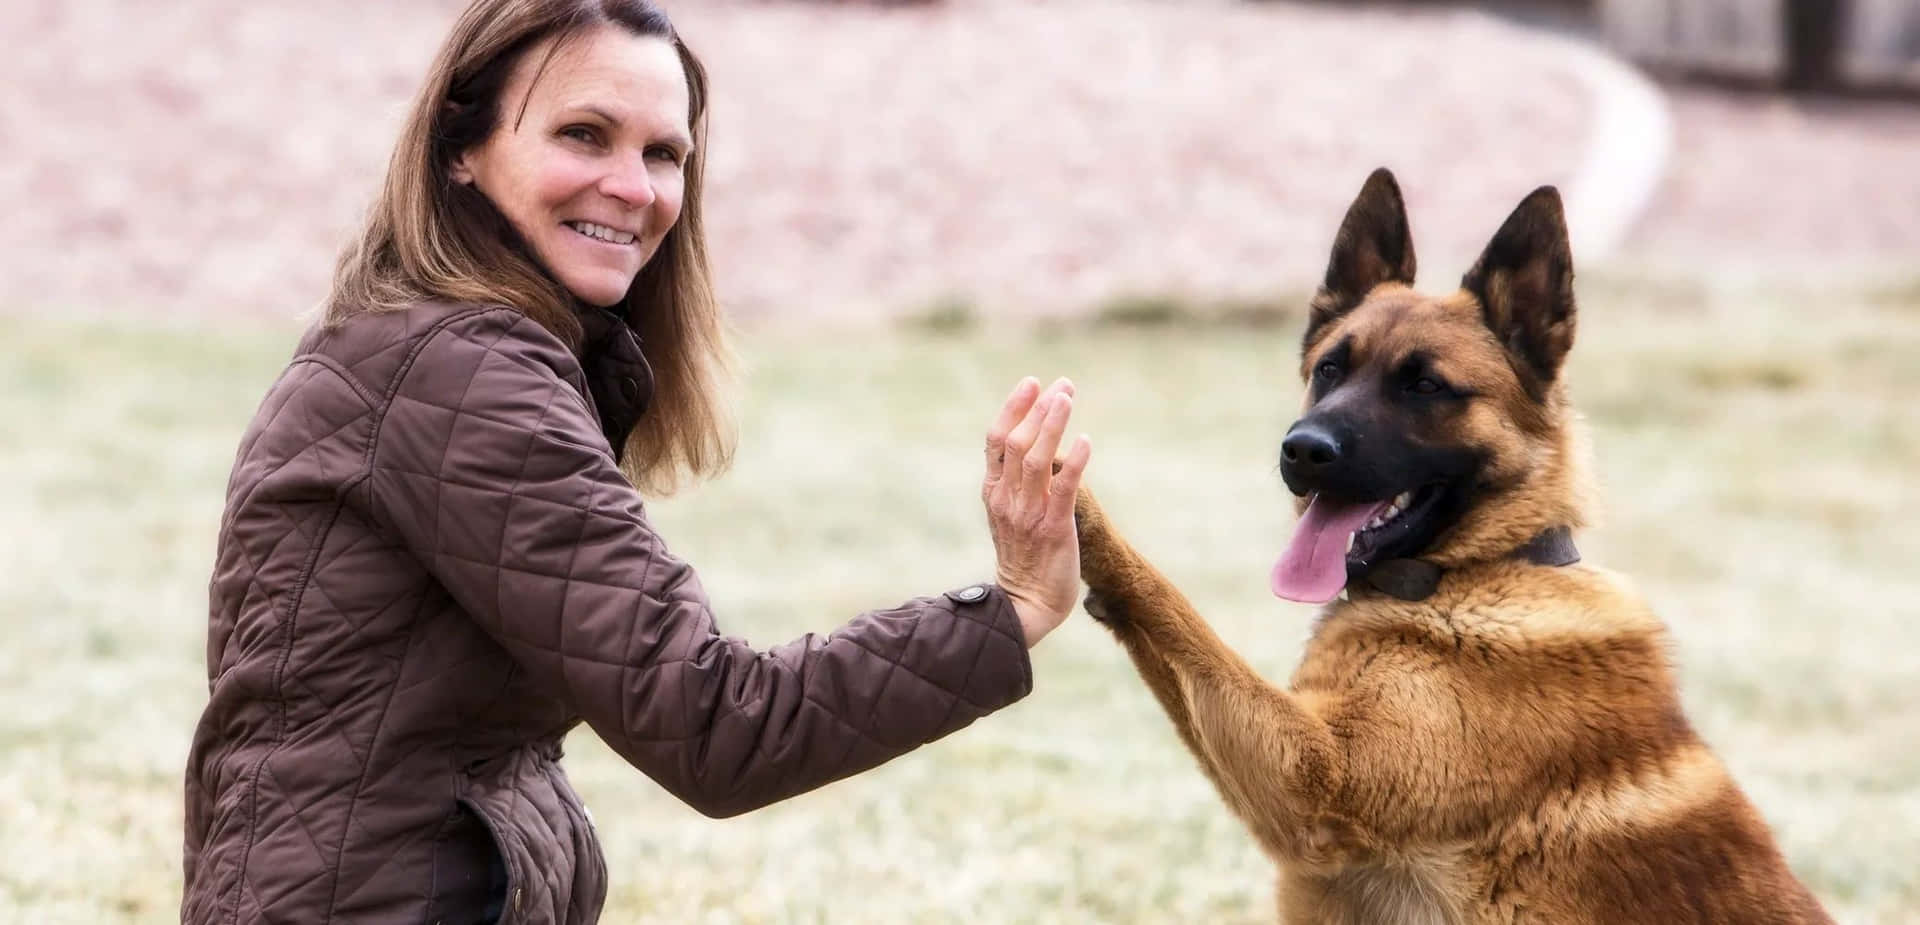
x,y
1522,602
1558,626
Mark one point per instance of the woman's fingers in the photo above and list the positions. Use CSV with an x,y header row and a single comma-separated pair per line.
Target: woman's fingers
x,y
1020,440
1036,470
1012,413
1066,482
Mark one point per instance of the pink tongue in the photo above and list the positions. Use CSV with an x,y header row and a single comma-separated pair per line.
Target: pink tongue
x,y
1314,567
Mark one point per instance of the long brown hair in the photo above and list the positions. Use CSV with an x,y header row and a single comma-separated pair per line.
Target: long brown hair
x,y
429,238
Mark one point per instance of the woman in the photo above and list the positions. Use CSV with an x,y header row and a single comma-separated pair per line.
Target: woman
x,y
434,562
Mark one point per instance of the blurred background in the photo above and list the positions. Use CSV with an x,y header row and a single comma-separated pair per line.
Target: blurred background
x,y
914,203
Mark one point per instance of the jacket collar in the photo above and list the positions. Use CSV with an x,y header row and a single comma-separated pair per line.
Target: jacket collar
x,y
618,378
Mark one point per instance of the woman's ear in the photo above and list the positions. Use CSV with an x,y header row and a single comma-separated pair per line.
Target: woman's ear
x,y
460,171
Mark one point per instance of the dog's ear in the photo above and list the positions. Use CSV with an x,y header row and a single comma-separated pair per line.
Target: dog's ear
x,y
1524,281
1373,246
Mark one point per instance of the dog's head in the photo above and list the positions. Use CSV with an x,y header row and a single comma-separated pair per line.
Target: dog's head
x,y
1434,427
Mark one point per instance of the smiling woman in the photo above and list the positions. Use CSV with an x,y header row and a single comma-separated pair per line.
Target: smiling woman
x,y
432,565
543,112
591,172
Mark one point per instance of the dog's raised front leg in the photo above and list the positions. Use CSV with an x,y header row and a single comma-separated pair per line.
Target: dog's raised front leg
x,y
1118,583
1271,757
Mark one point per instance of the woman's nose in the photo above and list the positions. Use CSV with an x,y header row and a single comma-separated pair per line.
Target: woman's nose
x,y
630,183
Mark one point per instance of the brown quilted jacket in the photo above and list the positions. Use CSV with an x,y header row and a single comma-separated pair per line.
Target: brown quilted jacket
x,y
430,569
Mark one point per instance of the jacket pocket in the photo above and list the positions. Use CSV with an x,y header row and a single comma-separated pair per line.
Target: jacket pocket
x,y
514,857
470,879
552,869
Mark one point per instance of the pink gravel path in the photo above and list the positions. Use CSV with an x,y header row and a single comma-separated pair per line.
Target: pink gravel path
x,y
208,157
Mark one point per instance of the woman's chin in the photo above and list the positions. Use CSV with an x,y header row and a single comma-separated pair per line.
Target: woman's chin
x,y
601,288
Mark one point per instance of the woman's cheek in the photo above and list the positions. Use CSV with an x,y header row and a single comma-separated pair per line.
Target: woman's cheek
x,y
561,181
669,200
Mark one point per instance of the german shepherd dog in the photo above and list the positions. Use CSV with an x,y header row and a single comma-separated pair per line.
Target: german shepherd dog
x,y
1482,729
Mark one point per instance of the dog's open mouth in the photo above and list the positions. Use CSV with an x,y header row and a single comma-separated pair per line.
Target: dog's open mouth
x,y
1386,534
1332,534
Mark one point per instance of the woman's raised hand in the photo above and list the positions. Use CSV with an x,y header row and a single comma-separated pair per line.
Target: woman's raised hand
x,y
1030,504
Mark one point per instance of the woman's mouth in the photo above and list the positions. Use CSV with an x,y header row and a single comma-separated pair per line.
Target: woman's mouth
x,y
602,233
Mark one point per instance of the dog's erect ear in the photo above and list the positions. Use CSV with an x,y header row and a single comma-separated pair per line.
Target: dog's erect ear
x,y
1374,246
1524,281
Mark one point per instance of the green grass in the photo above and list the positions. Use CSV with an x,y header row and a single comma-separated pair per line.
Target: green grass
x,y
1761,461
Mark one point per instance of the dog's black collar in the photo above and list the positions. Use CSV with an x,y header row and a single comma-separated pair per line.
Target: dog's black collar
x,y
1416,579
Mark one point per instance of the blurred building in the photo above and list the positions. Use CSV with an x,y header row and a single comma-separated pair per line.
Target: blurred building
x,y
1868,45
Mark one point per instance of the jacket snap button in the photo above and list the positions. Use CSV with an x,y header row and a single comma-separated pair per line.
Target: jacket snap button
x,y
630,387
972,594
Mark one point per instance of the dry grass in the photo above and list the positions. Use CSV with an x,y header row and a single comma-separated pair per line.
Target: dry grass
x,y
1761,454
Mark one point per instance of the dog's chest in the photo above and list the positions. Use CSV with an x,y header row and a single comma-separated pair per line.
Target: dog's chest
x,y
1360,649
1414,893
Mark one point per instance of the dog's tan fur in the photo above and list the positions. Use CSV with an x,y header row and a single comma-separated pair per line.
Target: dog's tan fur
x,y
1512,748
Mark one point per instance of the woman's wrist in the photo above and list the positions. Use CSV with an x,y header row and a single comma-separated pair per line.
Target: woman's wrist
x,y
1036,620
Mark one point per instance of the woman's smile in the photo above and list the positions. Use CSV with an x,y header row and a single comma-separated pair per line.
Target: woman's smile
x,y
604,234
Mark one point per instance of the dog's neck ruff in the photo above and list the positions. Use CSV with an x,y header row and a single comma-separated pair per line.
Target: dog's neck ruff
x,y
1416,579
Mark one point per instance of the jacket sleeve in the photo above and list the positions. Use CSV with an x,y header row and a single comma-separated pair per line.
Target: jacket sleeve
x,y
492,470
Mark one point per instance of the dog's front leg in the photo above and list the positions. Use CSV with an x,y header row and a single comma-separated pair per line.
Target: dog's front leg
x,y
1119,584
1271,757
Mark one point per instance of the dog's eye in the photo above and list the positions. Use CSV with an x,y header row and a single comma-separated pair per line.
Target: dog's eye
x,y
1426,385
1327,369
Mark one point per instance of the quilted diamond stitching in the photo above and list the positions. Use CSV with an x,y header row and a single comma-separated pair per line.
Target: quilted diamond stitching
x,y
359,786
280,723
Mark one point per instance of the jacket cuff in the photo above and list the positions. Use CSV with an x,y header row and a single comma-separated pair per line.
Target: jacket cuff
x,y
1004,673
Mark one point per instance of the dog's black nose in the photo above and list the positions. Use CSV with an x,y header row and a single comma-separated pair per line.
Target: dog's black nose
x,y
1307,451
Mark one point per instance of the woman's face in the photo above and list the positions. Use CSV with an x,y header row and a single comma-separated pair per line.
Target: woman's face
x,y
592,172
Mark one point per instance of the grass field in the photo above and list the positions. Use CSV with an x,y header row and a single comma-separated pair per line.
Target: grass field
x,y
1760,455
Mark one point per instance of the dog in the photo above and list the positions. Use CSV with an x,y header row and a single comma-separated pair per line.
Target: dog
x,y
1482,728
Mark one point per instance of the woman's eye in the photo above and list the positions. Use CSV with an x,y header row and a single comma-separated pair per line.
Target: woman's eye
x,y
1426,386
580,133
663,153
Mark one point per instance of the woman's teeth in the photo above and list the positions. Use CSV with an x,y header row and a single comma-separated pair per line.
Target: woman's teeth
x,y
601,233
1398,507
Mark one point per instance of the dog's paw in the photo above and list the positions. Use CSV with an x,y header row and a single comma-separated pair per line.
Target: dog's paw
x,y
1092,534
1105,610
